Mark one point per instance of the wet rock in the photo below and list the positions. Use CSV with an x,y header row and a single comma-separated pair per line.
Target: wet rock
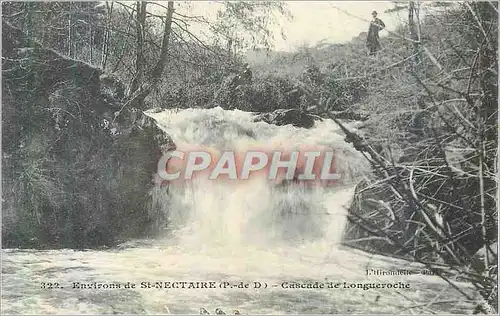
x,y
112,86
479,257
281,117
349,115
100,153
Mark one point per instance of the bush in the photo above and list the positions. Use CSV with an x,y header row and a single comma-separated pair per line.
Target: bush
x,y
433,201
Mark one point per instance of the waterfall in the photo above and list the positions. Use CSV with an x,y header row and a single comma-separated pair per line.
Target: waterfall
x,y
210,214
244,233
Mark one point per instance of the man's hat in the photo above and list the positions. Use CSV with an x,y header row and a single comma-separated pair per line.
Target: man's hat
x,y
374,12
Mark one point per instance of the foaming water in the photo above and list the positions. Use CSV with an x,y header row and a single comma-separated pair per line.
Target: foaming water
x,y
255,213
245,233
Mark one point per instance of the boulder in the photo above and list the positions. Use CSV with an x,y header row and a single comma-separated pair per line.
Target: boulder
x,y
479,257
281,117
91,170
350,115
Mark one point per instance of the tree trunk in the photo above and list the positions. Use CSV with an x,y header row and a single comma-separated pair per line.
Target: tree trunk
x,y
91,44
160,65
141,92
230,48
139,61
414,28
105,42
70,51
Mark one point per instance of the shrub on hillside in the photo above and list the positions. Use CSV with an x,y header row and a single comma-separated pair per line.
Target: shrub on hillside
x,y
311,89
435,202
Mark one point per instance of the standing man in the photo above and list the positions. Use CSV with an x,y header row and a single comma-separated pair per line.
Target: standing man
x,y
372,40
247,74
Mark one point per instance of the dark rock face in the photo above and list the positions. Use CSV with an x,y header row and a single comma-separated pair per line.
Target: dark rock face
x,y
293,117
360,228
349,115
491,254
75,175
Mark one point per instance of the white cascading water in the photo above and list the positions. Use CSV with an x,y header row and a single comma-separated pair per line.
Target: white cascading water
x,y
254,213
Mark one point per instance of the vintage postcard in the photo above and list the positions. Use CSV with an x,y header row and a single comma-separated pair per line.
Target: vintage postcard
x,y
246,157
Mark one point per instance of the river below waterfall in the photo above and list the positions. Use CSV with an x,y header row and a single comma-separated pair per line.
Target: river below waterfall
x,y
251,242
